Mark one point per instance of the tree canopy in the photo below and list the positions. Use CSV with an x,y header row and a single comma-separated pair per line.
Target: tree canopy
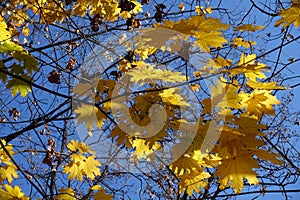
x,y
130,99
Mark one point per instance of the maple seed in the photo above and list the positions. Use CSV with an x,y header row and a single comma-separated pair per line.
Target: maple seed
x,y
159,12
145,2
71,64
54,77
125,5
95,27
15,113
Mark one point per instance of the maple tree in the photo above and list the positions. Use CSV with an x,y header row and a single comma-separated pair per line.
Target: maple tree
x,y
129,99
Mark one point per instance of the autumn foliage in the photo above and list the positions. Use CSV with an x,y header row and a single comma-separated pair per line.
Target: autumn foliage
x,y
140,101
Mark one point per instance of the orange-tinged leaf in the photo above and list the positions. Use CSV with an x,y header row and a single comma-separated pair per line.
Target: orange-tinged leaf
x,y
102,196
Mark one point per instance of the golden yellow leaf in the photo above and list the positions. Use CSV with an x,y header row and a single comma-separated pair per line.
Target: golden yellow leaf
x,y
142,150
4,34
205,40
8,172
289,16
264,85
90,115
91,167
248,27
260,102
240,42
147,74
66,194
193,183
235,168
173,97
12,193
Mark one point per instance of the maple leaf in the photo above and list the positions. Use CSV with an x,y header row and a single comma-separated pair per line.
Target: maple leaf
x,y
66,194
240,42
4,34
146,73
169,96
90,115
120,136
8,172
142,150
18,85
248,66
100,195
74,145
193,183
8,46
74,170
264,85
12,193
91,167
235,168
30,63
259,102
289,16
210,39
248,27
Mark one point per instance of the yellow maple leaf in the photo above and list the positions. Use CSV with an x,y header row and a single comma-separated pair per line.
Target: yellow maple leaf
x,y
289,16
240,42
101,195
173,97
74,170
205,40
147,74
91,167
235,168
248,27
90,115
249,67
66,194
191,183
264,85
4,33
143,150
12,193
259,102
74,145
8,172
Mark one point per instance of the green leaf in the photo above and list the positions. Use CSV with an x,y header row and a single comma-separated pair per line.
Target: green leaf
x,y
17,85
30,63
9,46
